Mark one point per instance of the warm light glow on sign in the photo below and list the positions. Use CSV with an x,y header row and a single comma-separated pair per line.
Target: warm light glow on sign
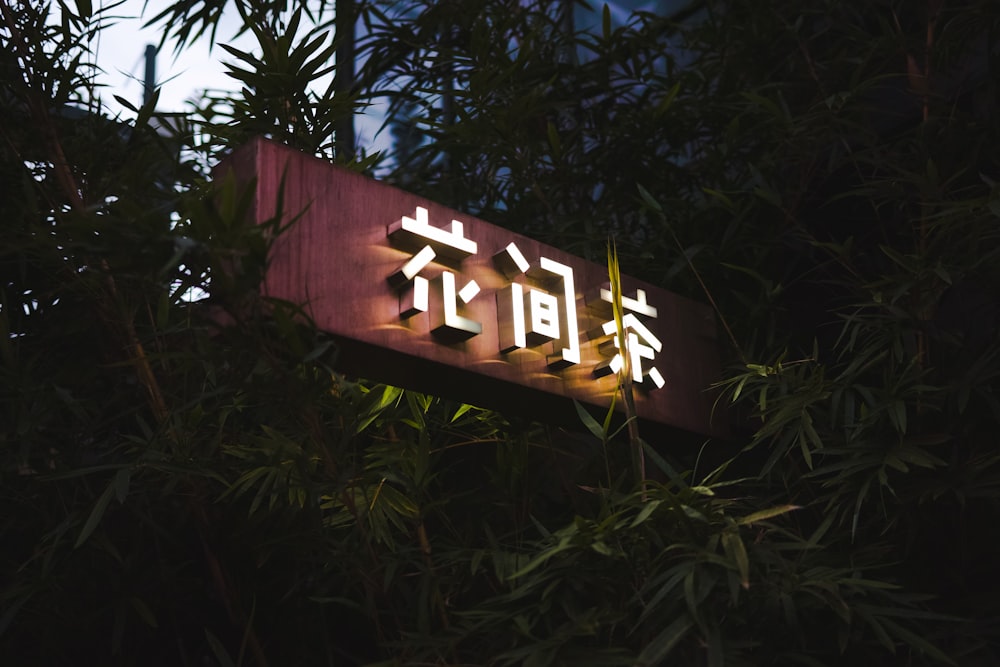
x,y
538,307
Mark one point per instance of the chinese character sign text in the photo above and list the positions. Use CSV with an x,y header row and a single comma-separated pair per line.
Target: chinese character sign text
x,y
536,308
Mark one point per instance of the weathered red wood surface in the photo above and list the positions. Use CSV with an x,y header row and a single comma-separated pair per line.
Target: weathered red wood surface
x,y
336,260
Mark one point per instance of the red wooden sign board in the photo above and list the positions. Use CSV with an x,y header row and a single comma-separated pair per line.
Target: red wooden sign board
x,y
425,297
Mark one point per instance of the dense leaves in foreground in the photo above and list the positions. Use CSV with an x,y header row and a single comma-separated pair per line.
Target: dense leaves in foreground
x,y
185,480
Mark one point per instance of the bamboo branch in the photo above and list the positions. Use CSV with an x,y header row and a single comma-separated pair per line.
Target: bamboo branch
x,y
625,374
74,194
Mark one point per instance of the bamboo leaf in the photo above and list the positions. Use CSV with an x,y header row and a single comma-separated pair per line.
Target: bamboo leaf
x,y
735,549
648,198
589,422
462,409
121,483
657,650
96,514
764,515
646,511
218,650
917,642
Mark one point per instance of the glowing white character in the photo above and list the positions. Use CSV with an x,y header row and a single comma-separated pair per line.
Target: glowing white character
x,y
530,316
438,296
641,343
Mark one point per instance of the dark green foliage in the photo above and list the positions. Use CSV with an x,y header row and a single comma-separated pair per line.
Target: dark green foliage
x,y
184,480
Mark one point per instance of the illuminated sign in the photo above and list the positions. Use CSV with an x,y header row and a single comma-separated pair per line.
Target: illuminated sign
x,y
422,296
